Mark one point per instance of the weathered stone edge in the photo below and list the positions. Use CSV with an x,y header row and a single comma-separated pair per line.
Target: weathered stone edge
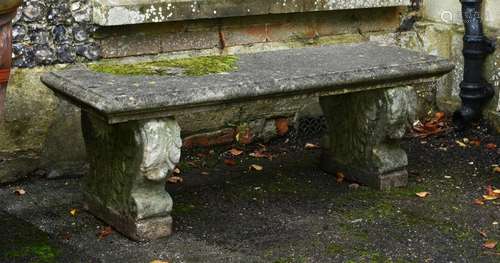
x,y
112,13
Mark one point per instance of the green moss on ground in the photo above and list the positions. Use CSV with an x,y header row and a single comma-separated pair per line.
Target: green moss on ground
x,y
41,253
195,66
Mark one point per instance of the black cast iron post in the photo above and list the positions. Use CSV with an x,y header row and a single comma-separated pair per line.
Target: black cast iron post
x,y
475,91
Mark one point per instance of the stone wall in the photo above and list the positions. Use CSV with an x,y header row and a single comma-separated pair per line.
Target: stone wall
x,y
441,33
53,31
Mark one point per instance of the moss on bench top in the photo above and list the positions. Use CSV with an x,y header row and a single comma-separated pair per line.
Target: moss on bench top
x,y
195,66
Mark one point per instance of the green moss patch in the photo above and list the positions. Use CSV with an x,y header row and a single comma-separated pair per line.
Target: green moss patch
x,y
42,253
196,66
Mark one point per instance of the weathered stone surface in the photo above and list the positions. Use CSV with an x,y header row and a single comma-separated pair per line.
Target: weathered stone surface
x,y
129,165
38,130
364,133
337,69
121,12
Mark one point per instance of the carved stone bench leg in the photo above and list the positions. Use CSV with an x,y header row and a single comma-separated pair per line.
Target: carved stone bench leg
x,y
129,164
365,129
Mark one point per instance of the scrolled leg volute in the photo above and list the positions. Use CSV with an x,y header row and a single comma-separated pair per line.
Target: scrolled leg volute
x,y
129,165
365,130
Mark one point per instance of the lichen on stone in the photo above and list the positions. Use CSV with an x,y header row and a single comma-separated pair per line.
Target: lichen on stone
x,y
195,66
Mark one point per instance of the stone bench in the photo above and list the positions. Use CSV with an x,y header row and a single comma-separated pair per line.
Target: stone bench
x,y
133,140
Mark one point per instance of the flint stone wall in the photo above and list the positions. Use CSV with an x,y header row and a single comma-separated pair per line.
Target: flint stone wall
x,y
46,32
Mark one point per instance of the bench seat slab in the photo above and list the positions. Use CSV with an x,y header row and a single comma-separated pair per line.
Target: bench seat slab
x,y
129,164
365,129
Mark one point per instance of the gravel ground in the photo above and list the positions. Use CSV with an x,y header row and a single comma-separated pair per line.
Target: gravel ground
x,y
289,212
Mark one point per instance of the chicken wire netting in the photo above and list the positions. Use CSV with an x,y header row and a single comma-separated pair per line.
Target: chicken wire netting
x,y
308,128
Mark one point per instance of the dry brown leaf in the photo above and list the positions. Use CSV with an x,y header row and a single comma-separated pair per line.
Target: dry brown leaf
x,y
73,212
105,232
261,154
311,146
490,244
496,169
244,137
461,144
483,233
490,197
281,126
175,179
235,152
478,201
158,261
491,146
20,191
475,142
423,194
230,162
439,115
339,177
256,167
433,126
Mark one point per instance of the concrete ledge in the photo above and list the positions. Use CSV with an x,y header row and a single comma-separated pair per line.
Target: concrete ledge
x,y
125,12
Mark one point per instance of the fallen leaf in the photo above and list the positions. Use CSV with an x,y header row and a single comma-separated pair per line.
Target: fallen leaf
x,y
439,115
230,162
490,197
235,152
461,144
423,194
433,126
175,179
491,146
311,146
339,177
475,142
244,137
490,244
177,171
158,261
281,126
66,236
105,232
256,167
483,233
19,191
478,201
261,154
496,191
496,169
73,212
